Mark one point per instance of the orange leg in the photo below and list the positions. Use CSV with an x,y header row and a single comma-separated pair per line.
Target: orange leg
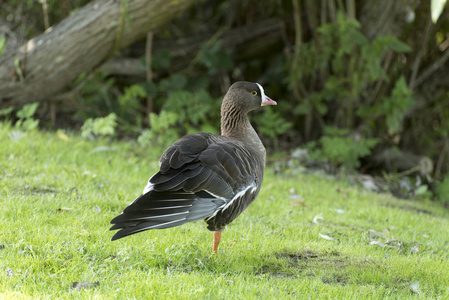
x,y
217,239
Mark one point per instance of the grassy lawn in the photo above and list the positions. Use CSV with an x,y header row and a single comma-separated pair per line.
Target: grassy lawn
x,y
304,237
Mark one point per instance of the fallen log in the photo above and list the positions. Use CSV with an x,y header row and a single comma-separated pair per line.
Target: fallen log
x,y
46,64
393,160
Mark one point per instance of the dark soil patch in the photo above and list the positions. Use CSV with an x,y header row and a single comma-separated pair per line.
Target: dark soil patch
x,y
37,190
410,208
331,267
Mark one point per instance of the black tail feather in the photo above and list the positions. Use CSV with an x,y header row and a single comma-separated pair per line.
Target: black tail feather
x,y
145,226
158,210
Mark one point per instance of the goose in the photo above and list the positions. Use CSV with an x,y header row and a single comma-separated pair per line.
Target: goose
x,y
204,175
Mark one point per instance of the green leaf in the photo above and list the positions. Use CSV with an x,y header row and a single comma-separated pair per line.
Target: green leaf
x,y
18,68
131,96
421,190
334,131
192,108
173,83
27,110
442,190
161,60
396,105
272,123
6,111
436,8
391,42
327,29
29,124
303,108
150,89
163,121
161,132
213,57
338,147
2,44
99,126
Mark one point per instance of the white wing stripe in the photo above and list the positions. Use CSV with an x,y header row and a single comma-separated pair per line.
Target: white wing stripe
x,y
216,196
252,187
161,216
168,207
153,226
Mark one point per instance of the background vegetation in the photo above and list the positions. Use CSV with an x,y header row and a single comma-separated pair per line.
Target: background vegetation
x,y
356,81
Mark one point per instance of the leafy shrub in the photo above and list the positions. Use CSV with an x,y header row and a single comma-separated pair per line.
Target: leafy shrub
x,y
334,79
129,99
161,60
96,97
347,63
195,110
5,112
390,110
341,149
162,133
99,126
183,112
25,117
272,124
214,58
25,120
442,190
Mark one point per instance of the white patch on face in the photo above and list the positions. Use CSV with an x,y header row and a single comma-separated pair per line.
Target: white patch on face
x,y
263,97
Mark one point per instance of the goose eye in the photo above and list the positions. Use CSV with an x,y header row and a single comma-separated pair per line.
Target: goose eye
x,y
254,93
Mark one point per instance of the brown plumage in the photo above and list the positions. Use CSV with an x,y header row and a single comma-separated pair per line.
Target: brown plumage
x,y
203,175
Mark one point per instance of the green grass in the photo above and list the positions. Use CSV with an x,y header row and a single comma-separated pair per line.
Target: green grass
x,y
58,194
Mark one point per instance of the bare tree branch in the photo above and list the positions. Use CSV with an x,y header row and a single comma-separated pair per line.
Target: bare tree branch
x,y
432,68
149,71
263,33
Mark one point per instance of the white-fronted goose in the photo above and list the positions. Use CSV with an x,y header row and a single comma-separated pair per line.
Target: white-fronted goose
x,y
203,175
